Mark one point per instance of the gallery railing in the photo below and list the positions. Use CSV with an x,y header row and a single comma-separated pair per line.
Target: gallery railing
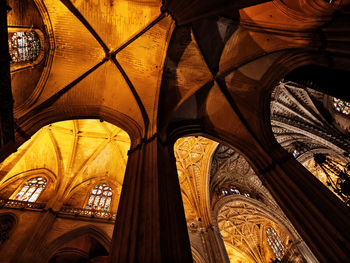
x,y
64,211
8,203
87,212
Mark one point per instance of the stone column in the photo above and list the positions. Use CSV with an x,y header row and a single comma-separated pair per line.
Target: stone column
x,y
6,101
214,245
151,225
318,215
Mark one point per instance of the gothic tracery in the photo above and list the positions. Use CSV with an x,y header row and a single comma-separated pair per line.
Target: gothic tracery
x,y
302,124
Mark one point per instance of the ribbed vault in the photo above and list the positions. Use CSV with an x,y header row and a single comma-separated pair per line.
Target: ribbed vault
x,y
117,54
142,66
79,153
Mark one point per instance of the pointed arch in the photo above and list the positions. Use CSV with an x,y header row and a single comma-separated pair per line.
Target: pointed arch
x,y
95,232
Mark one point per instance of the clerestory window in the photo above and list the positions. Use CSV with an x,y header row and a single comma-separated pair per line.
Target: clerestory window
x,y
341,106
31,190
100,198
23,46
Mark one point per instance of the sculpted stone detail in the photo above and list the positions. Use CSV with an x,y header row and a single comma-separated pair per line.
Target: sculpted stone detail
x,y
229,171
192,161
303,123
88,213
243,228
7,203
300,121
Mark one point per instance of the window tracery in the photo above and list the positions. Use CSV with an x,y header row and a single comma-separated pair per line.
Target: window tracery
x,y
23,46
341,106
100,198
275,243
31,190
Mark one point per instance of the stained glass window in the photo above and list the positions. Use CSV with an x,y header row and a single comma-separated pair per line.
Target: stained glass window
x,y
224,192
341,106
100,198
275,243
23,46
31,190
296,153
234,190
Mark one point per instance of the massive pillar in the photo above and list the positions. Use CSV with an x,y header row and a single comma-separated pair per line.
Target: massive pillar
x,y
318,215
151,225
6,101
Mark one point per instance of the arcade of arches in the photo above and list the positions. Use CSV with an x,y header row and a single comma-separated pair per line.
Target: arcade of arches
x,y
174,131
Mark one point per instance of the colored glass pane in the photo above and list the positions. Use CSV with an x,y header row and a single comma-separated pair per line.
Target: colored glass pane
x,y
341,106
23,46
100,198
31,190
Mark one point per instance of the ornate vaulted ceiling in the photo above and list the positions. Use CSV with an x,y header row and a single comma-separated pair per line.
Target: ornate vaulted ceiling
x,y
301,119
113,57
205,168
305,123
77,154
193,158
141,65
243,229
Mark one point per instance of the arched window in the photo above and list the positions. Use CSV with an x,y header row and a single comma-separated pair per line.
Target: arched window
x,y
275,243
23,46
31,190
342,106
100,198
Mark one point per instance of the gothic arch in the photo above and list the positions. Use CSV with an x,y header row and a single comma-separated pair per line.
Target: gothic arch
x,y
243,223
91,183
87,186
23,177
89,230
291,61
273,75
31,124
268,212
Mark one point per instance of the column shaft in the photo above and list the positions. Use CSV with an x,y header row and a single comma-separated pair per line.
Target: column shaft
x,y
151,225
6,101
318,215
215,245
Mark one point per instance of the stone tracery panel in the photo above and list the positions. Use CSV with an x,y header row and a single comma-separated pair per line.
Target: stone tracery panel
x,y
243,228
192,159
